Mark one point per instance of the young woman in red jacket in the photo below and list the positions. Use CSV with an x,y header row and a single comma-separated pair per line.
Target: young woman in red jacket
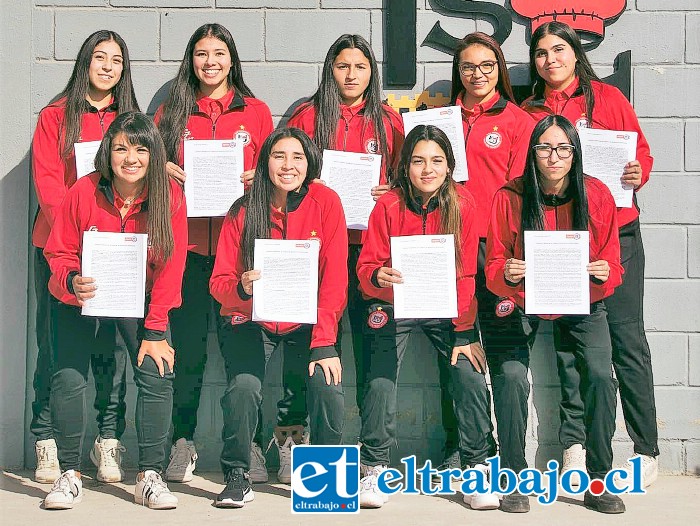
x,y
565,84
346,113
130,192
496,133
98,90
555,195
208,99
424,200
281,204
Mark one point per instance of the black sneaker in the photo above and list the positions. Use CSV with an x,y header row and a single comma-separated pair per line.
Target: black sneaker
x,y
237,492
516,502
451,461
604,503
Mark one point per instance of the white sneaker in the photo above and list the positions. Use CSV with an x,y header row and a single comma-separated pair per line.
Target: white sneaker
x,y
183,460
488,501
287,436
650,471
574,458
153,492
47,468
106,454
370,495
258,468
66,491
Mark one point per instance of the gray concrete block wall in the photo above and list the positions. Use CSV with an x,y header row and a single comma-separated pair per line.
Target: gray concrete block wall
x,y
282,64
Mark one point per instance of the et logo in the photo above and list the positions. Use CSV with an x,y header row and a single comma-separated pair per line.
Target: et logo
x,y
325,479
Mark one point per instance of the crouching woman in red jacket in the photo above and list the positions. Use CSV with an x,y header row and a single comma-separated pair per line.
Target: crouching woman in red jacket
x,y
553,194
281,204
130,192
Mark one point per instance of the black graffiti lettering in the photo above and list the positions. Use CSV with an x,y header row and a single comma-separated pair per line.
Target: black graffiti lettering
x,y
400,43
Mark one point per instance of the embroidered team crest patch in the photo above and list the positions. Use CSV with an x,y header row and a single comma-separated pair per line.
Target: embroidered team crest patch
x,y
377,319
243,136
493,140
371,145
505,307
581,123
238,319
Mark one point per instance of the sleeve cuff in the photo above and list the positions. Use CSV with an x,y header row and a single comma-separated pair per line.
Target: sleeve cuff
x,y
69,281
596,280
466,337
512,284
242,293
374,279
319,353
153,335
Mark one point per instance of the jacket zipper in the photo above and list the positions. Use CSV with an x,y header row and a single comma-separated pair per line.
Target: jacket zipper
x,y
424,215
345,137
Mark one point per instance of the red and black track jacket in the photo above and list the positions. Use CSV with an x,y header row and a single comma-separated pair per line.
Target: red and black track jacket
x,y
230,117
53,175
612,111
355,133
393,216
497,134
314,212
505,237
92,204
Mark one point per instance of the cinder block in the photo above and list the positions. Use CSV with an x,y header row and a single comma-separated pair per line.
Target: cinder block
x,y
669,358
692,456
265,80
515,48
679,80
138,28
672,305
694,252
151,83
321,29
457,27
42,33
162,3
48,79
681,195
276,4
70,3
666,5
659,262
694,360
677,412
352,4
692,139
670,456
666,142
178,25
692,38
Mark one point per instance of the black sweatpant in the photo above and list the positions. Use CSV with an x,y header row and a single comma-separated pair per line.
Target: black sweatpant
x,y
109,369
247,349
466,387
76,339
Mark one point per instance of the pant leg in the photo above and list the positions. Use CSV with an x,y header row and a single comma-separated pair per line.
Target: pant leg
x,y
190,327
387,346
246,349
357,315
572,429
631,354
154,398
73,341
588,338
109,371
41,426
291,409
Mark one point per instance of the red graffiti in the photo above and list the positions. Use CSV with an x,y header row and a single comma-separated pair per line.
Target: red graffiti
x,y
582,15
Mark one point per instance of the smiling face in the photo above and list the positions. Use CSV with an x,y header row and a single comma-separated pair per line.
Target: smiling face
x,y
287,166
106,68
427,169
211,61
352,73
479,87
553,170
555,61
129,162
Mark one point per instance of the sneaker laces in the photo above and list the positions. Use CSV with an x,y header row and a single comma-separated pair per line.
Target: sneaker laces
x,y
44,453
370,478
235,479
181,458
111,457
65,485
155,484
285,450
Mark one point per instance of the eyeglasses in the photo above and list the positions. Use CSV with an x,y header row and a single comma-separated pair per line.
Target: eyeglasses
x,y
467,70
544,151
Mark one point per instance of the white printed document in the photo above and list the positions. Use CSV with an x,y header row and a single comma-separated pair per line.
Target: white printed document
x,y
213,182
449,120
287,290
117,262
556,279
352,176
85,153
428,268
605,154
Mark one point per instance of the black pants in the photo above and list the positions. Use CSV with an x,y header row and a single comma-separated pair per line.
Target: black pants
x,y
76,339
109,369
630,356
247,349
466,387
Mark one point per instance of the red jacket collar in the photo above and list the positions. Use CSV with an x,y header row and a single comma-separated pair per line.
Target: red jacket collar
x,y
351,111
230,101
567,93
495,103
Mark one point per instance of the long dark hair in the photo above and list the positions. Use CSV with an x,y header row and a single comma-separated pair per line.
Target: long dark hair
x,y
78,85
140,130
447,198
533,199
503,85
258,200
327,99
583,69
182,96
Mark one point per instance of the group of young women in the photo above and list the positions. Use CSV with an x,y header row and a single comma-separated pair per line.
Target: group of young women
x,y
525,169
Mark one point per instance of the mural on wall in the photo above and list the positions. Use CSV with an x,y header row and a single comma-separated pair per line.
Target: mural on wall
x,y
588,17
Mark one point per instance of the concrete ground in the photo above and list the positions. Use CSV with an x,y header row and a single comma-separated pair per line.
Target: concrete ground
x,y
670,501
